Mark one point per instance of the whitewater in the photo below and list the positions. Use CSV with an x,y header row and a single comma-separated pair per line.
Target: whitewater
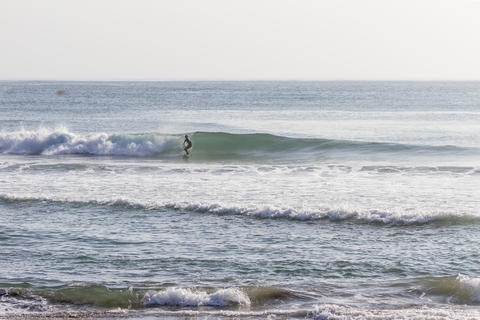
x,y
317,200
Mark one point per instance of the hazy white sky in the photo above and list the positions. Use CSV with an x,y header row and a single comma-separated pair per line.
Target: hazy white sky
x,y
244,39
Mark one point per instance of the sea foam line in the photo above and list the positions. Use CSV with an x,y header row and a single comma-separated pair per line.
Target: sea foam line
x,y
265,212
338,312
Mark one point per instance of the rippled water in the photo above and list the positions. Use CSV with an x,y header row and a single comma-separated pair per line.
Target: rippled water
x,y
323,200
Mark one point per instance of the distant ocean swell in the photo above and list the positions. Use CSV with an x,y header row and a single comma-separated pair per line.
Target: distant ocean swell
x,y
336,215
206,145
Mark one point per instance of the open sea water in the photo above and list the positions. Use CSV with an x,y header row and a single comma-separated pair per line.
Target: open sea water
x,y
316,200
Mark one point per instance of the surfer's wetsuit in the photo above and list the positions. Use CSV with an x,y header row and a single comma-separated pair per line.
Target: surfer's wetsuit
x,y
187,143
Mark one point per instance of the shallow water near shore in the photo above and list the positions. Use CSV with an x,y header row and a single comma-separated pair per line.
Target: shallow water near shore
x,y
319,200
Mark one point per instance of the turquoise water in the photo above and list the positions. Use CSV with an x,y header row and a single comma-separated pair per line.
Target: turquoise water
x,y
319,200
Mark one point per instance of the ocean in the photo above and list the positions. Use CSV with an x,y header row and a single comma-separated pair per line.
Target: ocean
x,y
300,200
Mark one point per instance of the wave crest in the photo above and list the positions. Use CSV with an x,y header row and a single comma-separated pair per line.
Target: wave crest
x,y
335,215
184,297
206,145
461,289
61,141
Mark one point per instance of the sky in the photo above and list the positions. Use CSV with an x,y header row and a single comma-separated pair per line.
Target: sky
x,y
240,40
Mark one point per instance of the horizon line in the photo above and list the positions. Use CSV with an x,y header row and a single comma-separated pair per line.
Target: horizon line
x,y
237,80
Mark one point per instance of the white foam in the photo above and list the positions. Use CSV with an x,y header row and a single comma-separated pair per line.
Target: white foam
x,y
187,297
319,213
16,304
337,312
61,141
469,287
371,216
233,314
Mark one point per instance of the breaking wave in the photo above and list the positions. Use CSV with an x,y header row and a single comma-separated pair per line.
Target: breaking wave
x,y
331,214
185,297
461,289
44,299
62,141
231,302
206,145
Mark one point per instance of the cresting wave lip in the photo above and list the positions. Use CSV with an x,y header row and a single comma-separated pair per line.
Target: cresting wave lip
x,y
62,141
186,297
206,145
460,289
334,215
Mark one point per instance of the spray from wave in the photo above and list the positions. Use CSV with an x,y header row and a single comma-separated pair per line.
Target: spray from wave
x,y
184,297
62,141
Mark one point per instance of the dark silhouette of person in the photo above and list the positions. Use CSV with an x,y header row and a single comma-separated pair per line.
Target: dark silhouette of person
x,y
187,144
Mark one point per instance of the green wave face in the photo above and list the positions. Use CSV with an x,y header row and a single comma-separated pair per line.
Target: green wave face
x,y
220,145
95,295
226,145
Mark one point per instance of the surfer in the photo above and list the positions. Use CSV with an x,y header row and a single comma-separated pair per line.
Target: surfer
x,y
187,144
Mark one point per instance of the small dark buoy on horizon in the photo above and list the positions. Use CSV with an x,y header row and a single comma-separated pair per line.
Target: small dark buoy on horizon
x,y
61,92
